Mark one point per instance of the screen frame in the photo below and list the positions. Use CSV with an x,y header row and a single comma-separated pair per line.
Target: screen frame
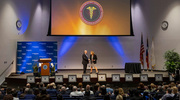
x,y
50,24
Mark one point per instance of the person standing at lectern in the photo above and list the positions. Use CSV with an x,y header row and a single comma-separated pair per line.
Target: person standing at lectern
x,y
85,60
93,60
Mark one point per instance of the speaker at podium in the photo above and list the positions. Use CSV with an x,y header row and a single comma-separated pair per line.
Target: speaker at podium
x,y
45,66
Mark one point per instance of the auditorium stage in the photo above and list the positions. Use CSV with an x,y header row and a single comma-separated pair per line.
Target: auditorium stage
x,y
15,80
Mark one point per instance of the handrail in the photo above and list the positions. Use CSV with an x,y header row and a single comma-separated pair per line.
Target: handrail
x,y
7,68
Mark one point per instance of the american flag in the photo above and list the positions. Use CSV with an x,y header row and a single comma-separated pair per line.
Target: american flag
x,y
147,55
142,51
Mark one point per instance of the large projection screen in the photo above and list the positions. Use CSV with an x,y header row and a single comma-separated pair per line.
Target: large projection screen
x,y
105,17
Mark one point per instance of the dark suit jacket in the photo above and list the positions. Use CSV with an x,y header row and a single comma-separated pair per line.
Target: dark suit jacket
x,y
84,59
94,58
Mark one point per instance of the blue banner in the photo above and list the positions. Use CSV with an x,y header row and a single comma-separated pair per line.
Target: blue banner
x,y
28,54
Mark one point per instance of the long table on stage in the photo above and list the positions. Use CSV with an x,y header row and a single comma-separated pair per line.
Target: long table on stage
x,y
132,68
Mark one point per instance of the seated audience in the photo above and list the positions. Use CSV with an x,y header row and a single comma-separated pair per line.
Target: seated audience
x,y
75,92
88,89
175,92
41,86
8,95
80,87
137,96
121,94
60,92
149,89
28,94
36,91
87,96
28,85
114,94
109,89
168,94
14,94
141,88
69,88
1,95
96,87
153,87
104,94
43,95
98,92
63,91
51,89
159,93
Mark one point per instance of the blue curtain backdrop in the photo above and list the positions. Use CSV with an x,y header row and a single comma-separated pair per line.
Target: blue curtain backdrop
x,y
28,54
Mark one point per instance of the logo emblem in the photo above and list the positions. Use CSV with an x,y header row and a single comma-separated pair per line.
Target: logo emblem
x,y
91,12
18,25
45,67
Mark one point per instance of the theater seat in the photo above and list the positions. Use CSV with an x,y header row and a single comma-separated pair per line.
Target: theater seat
x,y
29,96
169,98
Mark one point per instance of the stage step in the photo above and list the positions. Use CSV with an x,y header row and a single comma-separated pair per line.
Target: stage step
x,y
4,84
14,74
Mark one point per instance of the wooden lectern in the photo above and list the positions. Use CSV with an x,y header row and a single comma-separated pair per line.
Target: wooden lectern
x,y
45,70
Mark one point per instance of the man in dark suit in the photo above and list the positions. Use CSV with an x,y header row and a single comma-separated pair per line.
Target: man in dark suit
x,y
85,60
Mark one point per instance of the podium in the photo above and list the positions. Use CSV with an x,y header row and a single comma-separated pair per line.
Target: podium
x,y
45,70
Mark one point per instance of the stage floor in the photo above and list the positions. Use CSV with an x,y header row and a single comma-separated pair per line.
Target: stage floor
x,y
108,73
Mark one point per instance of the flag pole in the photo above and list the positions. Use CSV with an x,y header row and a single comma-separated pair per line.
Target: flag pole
x,y
147,55
152,56
142,52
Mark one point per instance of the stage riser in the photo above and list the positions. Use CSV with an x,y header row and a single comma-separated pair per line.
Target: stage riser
x,y
17,82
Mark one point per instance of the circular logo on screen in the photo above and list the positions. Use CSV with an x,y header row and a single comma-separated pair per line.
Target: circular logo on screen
x,y
91,12
45,67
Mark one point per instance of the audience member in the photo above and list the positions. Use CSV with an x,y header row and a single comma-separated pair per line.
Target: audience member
x,y
28,85
28,94
36,91
8,95
168,94
175,92
1,95
80,87
121,94
14,94
88,89
159,93
87,96
43,95
75,92
141,88
109,89
114,95
136,96
63,91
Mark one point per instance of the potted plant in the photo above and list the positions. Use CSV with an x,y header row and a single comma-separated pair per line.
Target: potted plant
x,y
172,61
35,70
52,70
